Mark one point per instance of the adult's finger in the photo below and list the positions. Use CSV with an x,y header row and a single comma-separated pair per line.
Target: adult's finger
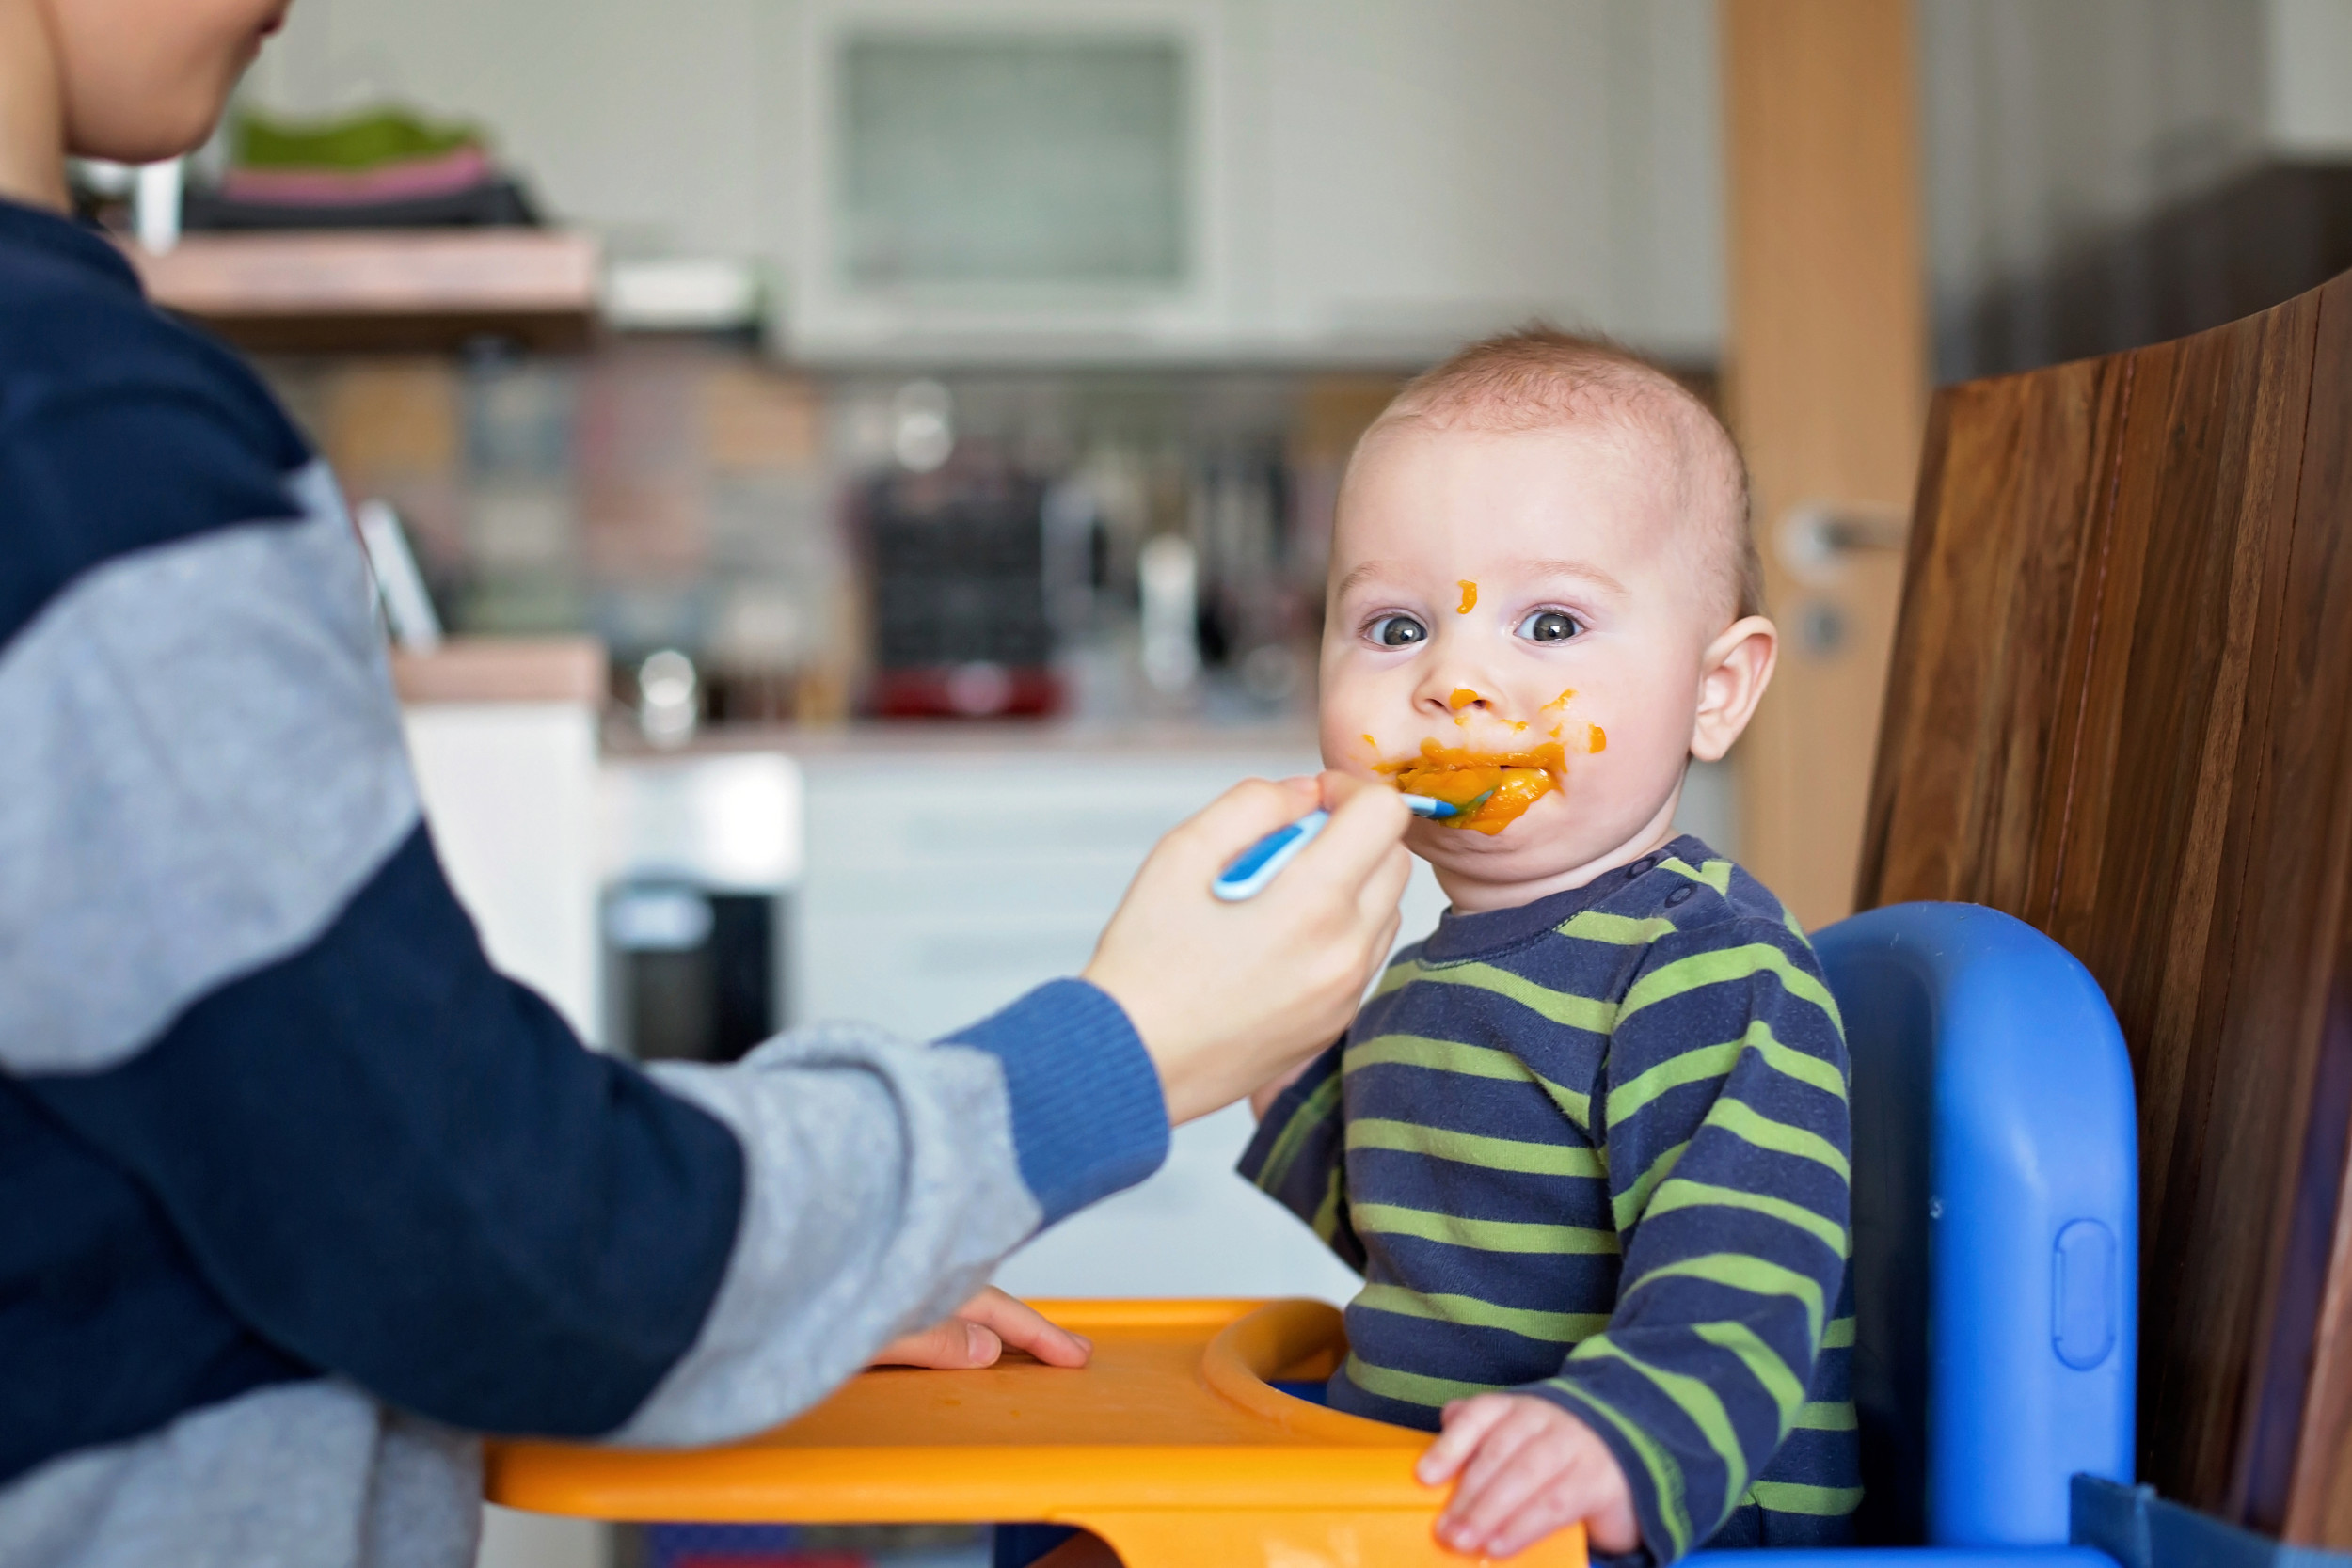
x,y
1366,823
1384,889
1212,836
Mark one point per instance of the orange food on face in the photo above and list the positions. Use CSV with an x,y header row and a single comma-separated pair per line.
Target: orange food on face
x,y
1511,782
1561,700
1596,738
1462,697
1470,596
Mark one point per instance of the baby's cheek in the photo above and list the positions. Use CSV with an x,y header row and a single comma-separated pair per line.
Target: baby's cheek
x,y
1357,725
1623,756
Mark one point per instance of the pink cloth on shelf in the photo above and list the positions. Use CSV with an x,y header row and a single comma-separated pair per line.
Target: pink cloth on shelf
x,y
444,175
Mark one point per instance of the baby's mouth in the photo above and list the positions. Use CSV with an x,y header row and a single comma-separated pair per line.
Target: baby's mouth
x,y
1492,789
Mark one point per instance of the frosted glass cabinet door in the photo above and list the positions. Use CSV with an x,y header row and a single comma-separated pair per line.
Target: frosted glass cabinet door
x,y
993,159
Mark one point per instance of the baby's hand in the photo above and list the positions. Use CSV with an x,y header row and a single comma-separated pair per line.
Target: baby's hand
x,y
1528,1467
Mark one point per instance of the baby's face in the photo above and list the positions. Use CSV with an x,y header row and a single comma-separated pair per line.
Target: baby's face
x,y
1529,599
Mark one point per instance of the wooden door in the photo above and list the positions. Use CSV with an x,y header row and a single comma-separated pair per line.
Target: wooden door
x,y
2120,710
1826,376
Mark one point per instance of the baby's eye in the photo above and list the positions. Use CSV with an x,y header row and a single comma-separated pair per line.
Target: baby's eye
x,y
1549,626
1397,631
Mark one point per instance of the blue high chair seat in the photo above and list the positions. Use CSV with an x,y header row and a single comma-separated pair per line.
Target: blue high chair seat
x,y
1995,1216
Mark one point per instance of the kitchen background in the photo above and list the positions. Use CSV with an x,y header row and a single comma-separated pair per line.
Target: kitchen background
x,y
931,412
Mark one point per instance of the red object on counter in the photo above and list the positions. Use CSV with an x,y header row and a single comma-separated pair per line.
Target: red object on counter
x,y
967,691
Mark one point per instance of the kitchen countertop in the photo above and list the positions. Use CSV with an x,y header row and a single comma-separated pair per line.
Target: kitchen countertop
x,y
977,739
503,669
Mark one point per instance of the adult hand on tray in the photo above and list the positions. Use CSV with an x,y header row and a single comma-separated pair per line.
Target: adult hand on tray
x,y
1226,996
978,1334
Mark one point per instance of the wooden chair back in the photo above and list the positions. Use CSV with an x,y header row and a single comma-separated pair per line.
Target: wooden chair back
x,y
2120,710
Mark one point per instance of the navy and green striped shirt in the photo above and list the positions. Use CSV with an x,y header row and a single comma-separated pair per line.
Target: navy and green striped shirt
x,y
1596,1148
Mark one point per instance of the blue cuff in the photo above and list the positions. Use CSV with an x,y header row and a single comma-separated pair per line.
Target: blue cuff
x,y
1087,1115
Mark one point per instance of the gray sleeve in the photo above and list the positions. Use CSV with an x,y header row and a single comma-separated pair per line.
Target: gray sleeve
x,y
881,1185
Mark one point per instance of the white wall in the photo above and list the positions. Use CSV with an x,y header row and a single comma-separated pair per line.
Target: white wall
x,y
1410,170
2049,120
2310,77
1432,170
640,120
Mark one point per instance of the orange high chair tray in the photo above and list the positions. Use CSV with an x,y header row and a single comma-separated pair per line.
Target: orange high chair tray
x,y
1170,1446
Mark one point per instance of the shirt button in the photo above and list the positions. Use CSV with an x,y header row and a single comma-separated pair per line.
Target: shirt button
x,y
1679,895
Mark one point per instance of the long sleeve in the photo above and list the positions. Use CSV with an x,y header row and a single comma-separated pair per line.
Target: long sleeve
x,y
1727,1142
886,1180
1299,1156
306,1128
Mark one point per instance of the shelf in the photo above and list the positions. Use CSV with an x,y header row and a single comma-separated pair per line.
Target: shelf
x,y
504,669
380,288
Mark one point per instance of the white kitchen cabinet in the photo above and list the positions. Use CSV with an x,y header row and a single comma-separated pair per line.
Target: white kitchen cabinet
x,y
941,883
1365,180
502,740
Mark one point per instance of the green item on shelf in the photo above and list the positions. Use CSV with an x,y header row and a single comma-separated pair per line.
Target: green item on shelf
x,y
350,142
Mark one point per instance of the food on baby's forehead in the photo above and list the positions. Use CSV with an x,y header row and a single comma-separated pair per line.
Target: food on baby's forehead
x,y
1470,596
1492,790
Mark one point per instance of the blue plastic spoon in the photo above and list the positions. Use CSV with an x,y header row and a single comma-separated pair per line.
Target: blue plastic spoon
x,y
1263,861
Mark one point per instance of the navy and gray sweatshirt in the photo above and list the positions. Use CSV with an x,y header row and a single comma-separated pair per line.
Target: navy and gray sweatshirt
x,y
296,1192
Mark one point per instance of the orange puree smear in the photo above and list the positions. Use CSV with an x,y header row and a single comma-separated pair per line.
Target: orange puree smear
x,y
1470,595
1462,697
1511,781
1596,738
1561,700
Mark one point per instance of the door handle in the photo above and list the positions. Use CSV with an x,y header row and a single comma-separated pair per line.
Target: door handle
x,y
1814,540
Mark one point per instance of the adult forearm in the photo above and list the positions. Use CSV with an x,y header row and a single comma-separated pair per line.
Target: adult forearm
x,y
884,1181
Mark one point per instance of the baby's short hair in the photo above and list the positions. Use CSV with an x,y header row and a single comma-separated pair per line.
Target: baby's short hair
x,y
1540,377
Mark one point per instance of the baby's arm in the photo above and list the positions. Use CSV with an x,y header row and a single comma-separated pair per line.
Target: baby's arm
x,y
1727,1137
1722,1112
1296,1156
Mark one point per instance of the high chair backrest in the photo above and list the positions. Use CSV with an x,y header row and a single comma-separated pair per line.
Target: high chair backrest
x,y
1995,1217
2120,708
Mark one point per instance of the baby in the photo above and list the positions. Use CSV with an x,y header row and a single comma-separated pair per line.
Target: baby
x,y
1588,1143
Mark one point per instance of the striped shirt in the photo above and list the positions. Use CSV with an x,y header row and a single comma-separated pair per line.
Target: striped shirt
x,y
1595,1150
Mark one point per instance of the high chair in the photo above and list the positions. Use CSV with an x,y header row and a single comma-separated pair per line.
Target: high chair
x,y
1996,1211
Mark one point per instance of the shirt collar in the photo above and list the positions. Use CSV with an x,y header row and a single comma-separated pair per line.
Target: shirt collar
x,y
1463,937
67,240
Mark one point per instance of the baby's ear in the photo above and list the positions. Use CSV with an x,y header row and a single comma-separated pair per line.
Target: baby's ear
x,y
1733,674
